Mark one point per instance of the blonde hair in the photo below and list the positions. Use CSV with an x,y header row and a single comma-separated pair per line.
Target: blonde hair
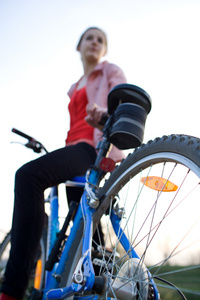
x,y
81,38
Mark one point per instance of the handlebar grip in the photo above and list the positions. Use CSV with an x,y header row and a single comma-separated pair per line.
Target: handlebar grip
x,y
104,119
22,134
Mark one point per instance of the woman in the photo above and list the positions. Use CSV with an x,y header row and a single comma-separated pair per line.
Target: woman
x,y
87,105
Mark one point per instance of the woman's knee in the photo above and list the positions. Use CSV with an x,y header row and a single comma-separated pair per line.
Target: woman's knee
x,y
28,186
24,174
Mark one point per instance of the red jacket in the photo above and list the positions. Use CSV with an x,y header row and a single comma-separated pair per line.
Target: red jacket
x,y
100,81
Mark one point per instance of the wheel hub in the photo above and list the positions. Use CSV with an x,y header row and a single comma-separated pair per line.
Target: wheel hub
x,y
134,273
131,282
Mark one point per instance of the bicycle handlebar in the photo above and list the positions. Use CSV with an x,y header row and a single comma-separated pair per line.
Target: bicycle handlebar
x,y
104,119
33,144
22,134
36,146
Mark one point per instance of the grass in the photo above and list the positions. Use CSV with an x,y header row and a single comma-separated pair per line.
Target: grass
x,y
186,280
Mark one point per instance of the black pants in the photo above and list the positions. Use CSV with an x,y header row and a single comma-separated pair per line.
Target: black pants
x,y
28,218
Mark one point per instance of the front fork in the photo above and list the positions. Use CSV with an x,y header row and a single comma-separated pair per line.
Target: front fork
x,y
84,276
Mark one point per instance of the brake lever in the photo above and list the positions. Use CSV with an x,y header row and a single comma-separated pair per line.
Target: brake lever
x,y
35,146
32,143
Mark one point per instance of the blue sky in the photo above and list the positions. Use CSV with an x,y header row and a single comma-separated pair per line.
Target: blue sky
x,y
156,43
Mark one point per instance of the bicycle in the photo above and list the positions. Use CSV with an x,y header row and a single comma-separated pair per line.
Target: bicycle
x,y
151,200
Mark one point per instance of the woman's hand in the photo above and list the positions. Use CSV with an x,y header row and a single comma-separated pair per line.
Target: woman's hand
x,y
94,115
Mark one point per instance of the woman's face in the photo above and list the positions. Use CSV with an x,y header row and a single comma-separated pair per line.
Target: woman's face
x,y
93,46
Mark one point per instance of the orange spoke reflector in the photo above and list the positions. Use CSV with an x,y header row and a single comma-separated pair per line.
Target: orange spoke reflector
x,y
159,184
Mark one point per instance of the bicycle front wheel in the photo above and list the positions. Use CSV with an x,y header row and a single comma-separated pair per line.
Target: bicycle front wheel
x,y
154,193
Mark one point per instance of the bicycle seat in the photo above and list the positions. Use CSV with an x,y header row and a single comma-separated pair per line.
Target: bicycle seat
x,y
128,93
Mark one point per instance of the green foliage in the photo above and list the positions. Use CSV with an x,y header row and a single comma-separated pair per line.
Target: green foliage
x,y
185,280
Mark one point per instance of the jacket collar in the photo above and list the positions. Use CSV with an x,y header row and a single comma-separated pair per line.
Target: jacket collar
x,y
100,66
97,69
